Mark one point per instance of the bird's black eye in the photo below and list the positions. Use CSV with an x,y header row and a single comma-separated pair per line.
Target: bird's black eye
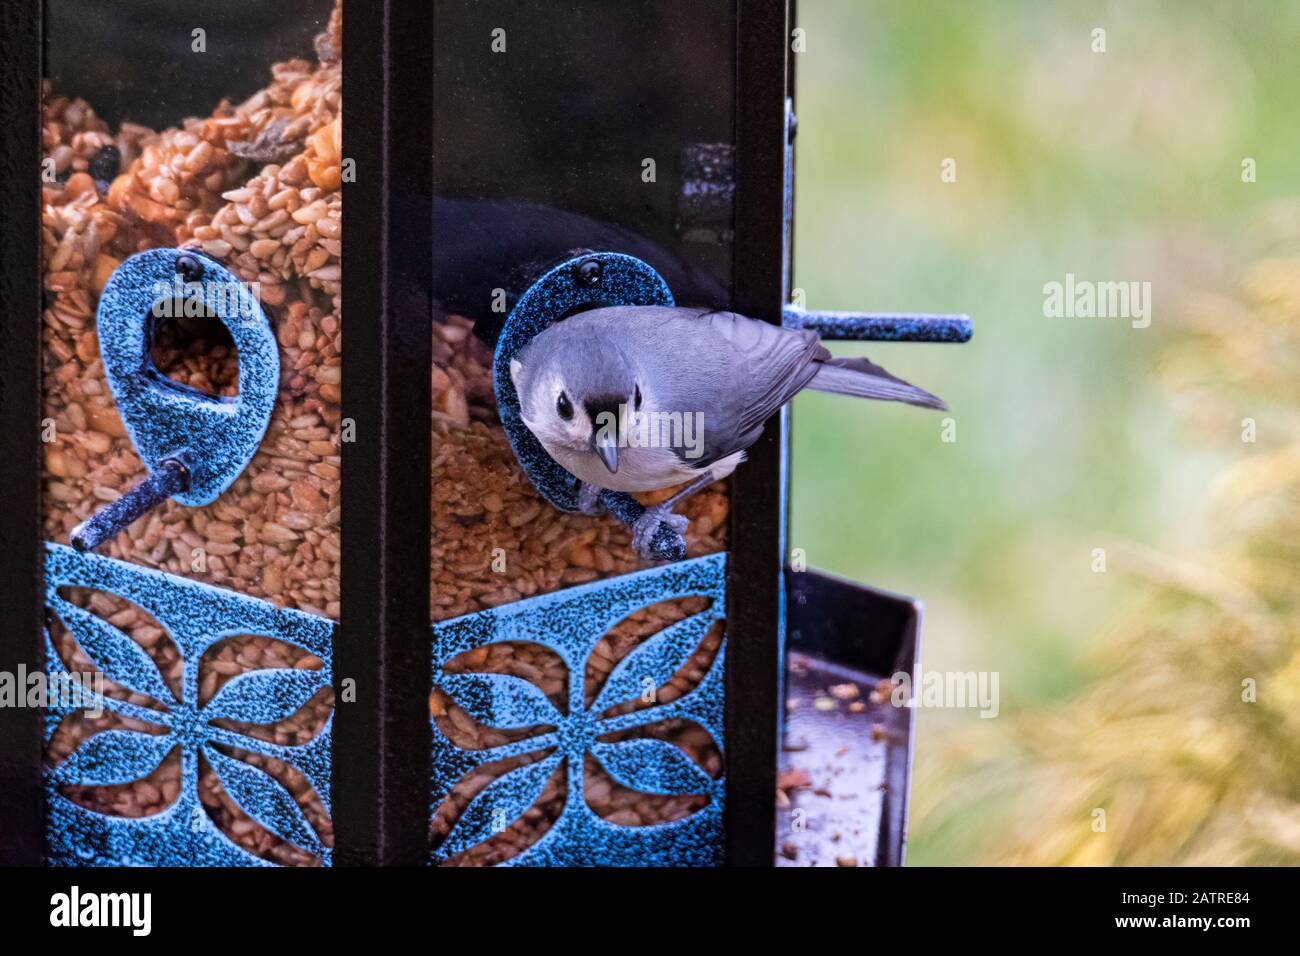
x,y
564,407
636,399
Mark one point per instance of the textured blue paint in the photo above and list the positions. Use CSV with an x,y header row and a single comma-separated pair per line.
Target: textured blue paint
x,y
624,280
215,437
196,616
880,327
570,623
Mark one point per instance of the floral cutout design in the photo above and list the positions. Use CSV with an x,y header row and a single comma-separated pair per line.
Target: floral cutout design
x,y
196,616
570,623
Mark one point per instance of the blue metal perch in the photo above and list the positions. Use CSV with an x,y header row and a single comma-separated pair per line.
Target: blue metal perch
x,y
880,326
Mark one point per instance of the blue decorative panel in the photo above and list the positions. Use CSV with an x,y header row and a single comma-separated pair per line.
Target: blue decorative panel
x,y
196,616
570,623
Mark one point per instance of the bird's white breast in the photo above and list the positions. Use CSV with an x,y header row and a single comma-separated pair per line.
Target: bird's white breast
x,y
639,469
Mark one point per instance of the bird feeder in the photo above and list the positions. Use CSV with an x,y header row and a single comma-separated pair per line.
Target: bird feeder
x,y
346,609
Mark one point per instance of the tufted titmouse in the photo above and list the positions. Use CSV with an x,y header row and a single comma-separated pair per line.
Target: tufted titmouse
x,y
638,398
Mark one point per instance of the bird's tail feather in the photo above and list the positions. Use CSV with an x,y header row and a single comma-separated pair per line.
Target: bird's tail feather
x,y
865,379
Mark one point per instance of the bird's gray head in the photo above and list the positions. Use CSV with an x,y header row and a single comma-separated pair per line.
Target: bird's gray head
x,y
577,390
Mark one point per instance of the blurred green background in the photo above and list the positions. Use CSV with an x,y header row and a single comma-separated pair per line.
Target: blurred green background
x,y
1115,166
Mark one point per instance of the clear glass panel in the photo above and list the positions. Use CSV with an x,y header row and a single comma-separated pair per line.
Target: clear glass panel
x,y
559,129
192,246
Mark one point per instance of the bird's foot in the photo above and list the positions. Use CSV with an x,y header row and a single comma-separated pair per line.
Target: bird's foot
x,y
644,528
589,499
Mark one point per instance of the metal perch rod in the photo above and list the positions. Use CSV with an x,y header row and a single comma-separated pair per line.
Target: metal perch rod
x,y
172,477
880,326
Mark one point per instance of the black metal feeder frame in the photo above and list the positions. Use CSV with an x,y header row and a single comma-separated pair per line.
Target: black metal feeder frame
x,y
438,216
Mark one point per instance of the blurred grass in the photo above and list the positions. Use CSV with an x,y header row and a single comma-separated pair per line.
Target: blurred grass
x,y
1123,165
1187,745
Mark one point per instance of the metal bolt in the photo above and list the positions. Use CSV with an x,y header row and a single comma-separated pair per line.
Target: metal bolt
x,y
189,268
588,272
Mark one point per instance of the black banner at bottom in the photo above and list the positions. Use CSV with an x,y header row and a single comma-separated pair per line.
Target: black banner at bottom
x,y
907,906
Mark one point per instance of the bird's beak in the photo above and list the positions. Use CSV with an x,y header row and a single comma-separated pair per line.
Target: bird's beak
x,y
608,452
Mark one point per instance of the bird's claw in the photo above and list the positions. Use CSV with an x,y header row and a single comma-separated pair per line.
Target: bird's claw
x,y
589,499
645,527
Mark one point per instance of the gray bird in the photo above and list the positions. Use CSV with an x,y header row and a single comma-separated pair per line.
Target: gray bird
x,y
638,398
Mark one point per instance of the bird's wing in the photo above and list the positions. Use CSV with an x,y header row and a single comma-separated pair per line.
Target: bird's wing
x,y
738,370
771,365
